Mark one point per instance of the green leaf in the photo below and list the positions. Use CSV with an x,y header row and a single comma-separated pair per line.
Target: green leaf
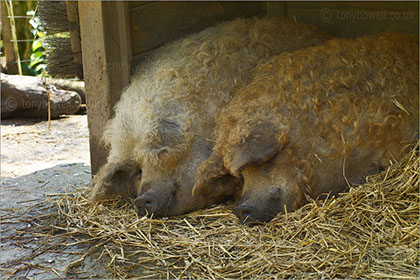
x,y
36,45
40,34
37,57
40,67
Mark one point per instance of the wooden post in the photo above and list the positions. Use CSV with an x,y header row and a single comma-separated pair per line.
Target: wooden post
x,y
74,28
106,66
12,59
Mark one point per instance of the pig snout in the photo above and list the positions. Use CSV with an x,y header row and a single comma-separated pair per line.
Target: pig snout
x,y
147,204
245,213
251,215
155,197
260,209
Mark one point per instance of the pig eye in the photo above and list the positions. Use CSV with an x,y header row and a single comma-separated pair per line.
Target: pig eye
x,y
138,173
276,194
175,189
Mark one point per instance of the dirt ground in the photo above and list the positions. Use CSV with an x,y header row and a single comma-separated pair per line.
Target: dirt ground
x,y
36,163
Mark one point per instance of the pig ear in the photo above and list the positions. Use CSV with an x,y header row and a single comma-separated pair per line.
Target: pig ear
x,y
264,142
209,174
166,135
113,179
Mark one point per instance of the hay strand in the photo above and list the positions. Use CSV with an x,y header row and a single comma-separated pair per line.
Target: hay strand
x,y
371,232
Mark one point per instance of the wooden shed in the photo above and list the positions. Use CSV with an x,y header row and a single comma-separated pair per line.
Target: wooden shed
x,y
114,36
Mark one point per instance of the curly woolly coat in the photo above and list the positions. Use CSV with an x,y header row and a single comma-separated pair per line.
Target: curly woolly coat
x,y
317,120
164,123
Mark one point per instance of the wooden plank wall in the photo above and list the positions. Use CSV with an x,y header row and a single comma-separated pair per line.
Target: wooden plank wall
x,y
352,19
155,23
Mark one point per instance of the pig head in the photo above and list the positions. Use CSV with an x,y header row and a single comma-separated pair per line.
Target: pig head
x,y
161,174
271,181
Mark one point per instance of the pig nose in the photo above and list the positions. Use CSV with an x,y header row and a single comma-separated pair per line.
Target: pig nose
x,y
245,213
146,202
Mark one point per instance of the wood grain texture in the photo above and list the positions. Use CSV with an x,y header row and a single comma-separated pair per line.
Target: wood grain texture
x,y
160,22
352,19
74,30
106,66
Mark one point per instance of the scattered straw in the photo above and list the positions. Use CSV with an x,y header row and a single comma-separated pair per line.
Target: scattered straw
x,y
370,232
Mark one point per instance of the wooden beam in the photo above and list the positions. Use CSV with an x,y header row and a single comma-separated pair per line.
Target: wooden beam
x,y
74,29
106,66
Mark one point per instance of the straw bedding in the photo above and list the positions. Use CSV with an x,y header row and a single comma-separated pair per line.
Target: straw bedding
x,y
370,232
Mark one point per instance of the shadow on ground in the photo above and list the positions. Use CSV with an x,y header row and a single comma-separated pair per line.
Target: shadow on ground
x,y
28,252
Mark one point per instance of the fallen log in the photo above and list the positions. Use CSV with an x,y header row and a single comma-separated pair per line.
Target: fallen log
x,y
26,97
70,85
